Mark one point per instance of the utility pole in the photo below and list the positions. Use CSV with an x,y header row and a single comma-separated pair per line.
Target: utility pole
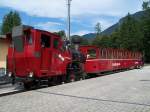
x,y
68,20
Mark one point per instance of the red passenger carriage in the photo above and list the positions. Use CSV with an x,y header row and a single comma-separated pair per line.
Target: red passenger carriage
x,y
108,59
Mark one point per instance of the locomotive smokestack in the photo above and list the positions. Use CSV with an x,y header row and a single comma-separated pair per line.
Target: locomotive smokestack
x,y
76,41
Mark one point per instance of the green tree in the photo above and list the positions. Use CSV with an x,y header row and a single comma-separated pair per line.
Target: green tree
x,y
96,41
84,41
98,29
146,31
61,33
130,34
145,5
9,21
103,41
0,29
115,39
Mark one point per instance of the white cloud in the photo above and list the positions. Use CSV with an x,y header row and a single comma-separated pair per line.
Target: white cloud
x,y
49,26
80,10
57,8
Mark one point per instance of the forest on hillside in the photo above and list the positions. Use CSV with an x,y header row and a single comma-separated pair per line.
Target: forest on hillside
x,y
132,34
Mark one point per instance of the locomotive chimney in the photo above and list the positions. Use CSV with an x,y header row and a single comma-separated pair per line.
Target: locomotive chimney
x,y
76,41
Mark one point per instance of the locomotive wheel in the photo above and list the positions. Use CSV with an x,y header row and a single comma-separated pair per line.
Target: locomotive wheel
x,y
27,85
71,77
84,75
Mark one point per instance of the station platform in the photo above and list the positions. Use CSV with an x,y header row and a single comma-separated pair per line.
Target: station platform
x,y
120,92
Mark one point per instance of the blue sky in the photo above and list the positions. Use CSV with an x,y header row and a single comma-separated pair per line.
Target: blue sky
x,y
51,15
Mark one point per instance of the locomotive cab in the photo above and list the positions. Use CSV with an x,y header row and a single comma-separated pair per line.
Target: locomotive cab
x,y
36,54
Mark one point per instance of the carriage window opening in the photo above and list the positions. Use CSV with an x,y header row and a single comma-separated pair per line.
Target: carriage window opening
x,y
136,55
111,55
119,55
108,54
45,41
55,43
133,55
101,53
114,56
127,55
91,53
124,55
104,53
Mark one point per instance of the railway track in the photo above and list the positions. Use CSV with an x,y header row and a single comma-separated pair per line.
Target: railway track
x,y
8,89
11,93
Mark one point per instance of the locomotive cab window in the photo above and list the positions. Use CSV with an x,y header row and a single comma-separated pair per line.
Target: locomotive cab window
x,y
29,38
56,43
91,53
45,41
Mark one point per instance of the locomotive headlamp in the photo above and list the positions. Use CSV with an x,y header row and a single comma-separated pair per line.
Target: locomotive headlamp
x,y
9,74
31,74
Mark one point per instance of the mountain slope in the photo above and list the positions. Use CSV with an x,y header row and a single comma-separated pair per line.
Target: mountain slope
x,y
108,31
137,16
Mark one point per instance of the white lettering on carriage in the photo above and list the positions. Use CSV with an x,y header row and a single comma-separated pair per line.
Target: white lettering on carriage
x,y
116,64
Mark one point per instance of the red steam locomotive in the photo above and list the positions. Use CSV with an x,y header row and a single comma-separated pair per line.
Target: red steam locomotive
x,y
36,56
